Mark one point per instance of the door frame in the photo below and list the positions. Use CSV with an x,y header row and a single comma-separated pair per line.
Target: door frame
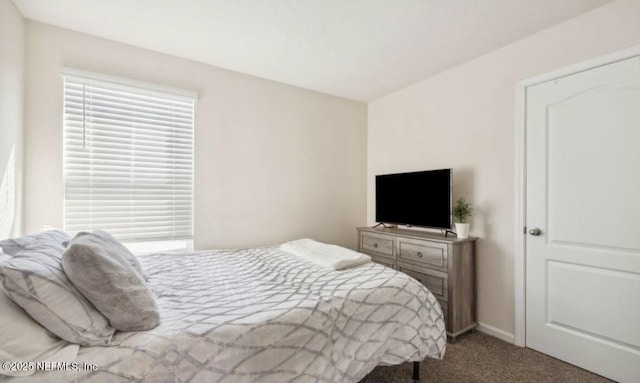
x,y
520,271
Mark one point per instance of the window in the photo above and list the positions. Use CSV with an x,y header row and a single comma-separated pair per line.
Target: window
x,y
128,159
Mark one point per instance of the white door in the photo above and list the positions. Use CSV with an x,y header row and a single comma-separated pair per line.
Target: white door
x,y
583,195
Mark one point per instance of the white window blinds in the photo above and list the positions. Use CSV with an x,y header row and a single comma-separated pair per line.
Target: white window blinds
x,y
128,160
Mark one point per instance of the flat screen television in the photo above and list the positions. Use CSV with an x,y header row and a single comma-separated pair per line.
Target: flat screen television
x,y
415,199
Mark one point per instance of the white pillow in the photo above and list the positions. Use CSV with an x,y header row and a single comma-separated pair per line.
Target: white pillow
x,y
35,280
13,246
23,340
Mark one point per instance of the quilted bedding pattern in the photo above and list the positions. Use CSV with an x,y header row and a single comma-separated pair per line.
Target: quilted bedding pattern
x,y
263,315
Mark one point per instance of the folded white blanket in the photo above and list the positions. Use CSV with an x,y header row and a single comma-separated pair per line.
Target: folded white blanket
x,y
330,256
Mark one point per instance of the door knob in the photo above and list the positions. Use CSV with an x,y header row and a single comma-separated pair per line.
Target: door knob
x,y
535,231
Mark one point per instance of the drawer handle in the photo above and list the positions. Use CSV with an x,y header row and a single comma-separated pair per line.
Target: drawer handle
x,y
419,254
375,245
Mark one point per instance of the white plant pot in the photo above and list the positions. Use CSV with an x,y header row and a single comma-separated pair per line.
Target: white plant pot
x,y
462,230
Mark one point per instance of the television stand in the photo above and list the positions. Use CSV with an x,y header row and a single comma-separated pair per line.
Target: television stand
x,y
383,225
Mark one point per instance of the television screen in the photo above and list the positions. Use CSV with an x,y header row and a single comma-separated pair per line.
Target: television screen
x,y
415,199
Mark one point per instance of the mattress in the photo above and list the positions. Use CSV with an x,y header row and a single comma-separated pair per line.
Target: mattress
x,y
264,315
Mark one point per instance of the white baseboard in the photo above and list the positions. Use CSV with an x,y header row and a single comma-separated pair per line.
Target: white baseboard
x,y
494,331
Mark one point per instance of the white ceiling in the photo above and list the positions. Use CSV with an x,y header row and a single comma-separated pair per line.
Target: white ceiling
x,y
358,49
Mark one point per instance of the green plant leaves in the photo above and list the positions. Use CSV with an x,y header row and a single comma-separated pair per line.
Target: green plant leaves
x,y
462,210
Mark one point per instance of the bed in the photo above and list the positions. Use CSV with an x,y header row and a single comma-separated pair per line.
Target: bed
x,y
265,315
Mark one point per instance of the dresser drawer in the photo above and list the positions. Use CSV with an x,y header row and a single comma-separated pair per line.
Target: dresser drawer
x,y
376,243
427,254
435,281
382,261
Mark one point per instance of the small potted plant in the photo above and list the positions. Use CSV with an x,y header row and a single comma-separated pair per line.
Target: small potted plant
x,y
461,212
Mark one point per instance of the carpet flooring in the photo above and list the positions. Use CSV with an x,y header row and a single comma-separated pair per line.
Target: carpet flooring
x,y
477,357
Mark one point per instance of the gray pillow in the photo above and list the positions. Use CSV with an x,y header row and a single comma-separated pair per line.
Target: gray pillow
x,y
12,246
122,249
35,280
100,271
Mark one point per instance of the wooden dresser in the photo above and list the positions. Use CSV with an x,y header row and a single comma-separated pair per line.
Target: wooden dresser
x,y
446,266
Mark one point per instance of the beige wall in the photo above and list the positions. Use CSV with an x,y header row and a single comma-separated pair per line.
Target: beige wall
x,y
464,118
272,162
12,47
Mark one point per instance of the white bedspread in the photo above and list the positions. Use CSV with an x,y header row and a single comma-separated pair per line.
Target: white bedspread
x,y
261,315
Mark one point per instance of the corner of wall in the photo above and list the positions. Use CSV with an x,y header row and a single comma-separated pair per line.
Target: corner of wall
x,y
12,86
